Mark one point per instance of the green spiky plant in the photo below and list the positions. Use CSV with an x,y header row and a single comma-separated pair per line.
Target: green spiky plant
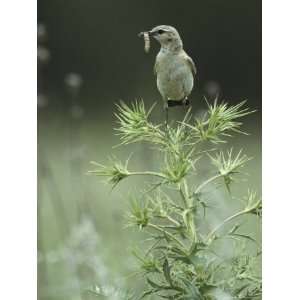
x,y
181,261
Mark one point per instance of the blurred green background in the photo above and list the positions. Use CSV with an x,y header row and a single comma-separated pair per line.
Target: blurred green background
x,y
89,57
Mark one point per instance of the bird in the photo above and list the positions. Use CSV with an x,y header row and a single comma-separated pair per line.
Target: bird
x,y
174,68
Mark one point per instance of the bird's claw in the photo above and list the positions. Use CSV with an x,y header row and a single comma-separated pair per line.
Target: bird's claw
x,y
186,102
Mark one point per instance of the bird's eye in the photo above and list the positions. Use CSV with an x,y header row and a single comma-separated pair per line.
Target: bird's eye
x,y
160,31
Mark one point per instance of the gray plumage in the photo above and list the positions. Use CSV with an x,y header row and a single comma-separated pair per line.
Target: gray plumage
x,y
174,69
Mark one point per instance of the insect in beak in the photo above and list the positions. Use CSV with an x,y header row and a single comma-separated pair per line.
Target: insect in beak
x,y
146,36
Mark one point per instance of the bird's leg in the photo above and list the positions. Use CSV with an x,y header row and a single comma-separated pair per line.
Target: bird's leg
x,y
186,103
166,108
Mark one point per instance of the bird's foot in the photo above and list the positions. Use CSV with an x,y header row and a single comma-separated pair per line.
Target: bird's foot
x,y
186,102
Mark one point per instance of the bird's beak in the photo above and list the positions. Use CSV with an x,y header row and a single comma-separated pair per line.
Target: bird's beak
x,y
152,33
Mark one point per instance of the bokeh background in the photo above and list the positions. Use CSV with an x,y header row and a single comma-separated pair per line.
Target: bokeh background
x,y
89,57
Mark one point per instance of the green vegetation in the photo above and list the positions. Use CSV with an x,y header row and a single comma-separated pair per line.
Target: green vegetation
x,y
183,255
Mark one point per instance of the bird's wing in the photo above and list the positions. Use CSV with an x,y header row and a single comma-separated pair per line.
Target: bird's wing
x,y
191,64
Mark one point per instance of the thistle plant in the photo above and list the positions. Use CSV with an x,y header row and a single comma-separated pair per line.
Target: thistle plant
x,y
181,259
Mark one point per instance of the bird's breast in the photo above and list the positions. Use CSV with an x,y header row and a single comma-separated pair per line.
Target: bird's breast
x,y
174,77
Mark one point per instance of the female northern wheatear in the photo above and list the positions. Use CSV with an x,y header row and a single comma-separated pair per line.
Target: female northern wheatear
x,y
174,69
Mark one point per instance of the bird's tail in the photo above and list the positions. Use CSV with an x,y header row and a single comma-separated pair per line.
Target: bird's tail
x,y
183,102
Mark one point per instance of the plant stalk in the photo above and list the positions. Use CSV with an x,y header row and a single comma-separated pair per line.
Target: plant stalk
x,y
171,236
201,186
230,218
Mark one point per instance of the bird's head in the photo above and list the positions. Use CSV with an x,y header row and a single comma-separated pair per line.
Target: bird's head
x,y
167,36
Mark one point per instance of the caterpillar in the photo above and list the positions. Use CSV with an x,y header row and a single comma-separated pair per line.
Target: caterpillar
x,y
146,37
